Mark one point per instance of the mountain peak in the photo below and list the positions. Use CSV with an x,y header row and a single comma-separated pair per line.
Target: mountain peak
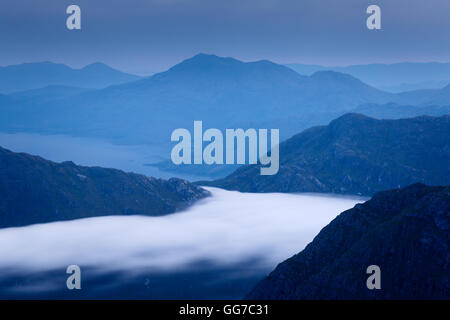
x,y
203,56
215,67
203,60
97,66
352,117
355,154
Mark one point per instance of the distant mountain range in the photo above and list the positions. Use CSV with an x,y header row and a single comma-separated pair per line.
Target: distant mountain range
x,y
35,190
405,232
28,76
355,154
222,92
426,97
396,77
48,93
397,111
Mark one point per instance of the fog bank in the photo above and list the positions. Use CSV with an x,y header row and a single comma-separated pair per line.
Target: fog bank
x,y
226,228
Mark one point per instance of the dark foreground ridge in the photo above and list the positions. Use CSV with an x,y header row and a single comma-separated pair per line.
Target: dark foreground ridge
x,y
355,154
403,231
35,190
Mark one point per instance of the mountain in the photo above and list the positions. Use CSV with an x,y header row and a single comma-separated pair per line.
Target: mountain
x,y
381,111
44,94
396,77
222,92
403,231
35,190
397,111
426,97
355,154
28,76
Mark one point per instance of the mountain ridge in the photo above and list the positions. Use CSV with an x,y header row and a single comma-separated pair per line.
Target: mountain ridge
x,y
35,75
253,94
402,231
394,77
222,92
35,190
355,154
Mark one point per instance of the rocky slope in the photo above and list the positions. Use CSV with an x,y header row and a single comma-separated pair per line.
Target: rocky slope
x,y
355,154
403,231
34,190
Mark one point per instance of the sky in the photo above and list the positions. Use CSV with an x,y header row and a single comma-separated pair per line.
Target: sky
x,y
147,36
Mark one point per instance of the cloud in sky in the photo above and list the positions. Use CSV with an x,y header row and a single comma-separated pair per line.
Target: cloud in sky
x,y
144,36
228,228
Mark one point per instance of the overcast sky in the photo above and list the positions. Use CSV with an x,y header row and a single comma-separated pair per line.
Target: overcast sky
x,y
144,36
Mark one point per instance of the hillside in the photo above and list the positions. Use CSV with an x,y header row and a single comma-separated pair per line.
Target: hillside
x,y
355,154
398,111
403,231
427,97
34,190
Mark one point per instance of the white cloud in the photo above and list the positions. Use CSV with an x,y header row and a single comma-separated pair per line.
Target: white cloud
x,y
226,228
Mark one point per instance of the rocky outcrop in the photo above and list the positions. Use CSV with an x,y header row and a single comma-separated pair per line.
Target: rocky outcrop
x,y
406,232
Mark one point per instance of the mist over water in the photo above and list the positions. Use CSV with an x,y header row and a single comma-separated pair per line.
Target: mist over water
x,y
227,228
92,152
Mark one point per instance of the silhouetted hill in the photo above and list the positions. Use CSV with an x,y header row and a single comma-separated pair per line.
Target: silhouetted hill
x,y
222,92
427,97
47,93
355,154
36,75
397,111
35,190
396,77
403,231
